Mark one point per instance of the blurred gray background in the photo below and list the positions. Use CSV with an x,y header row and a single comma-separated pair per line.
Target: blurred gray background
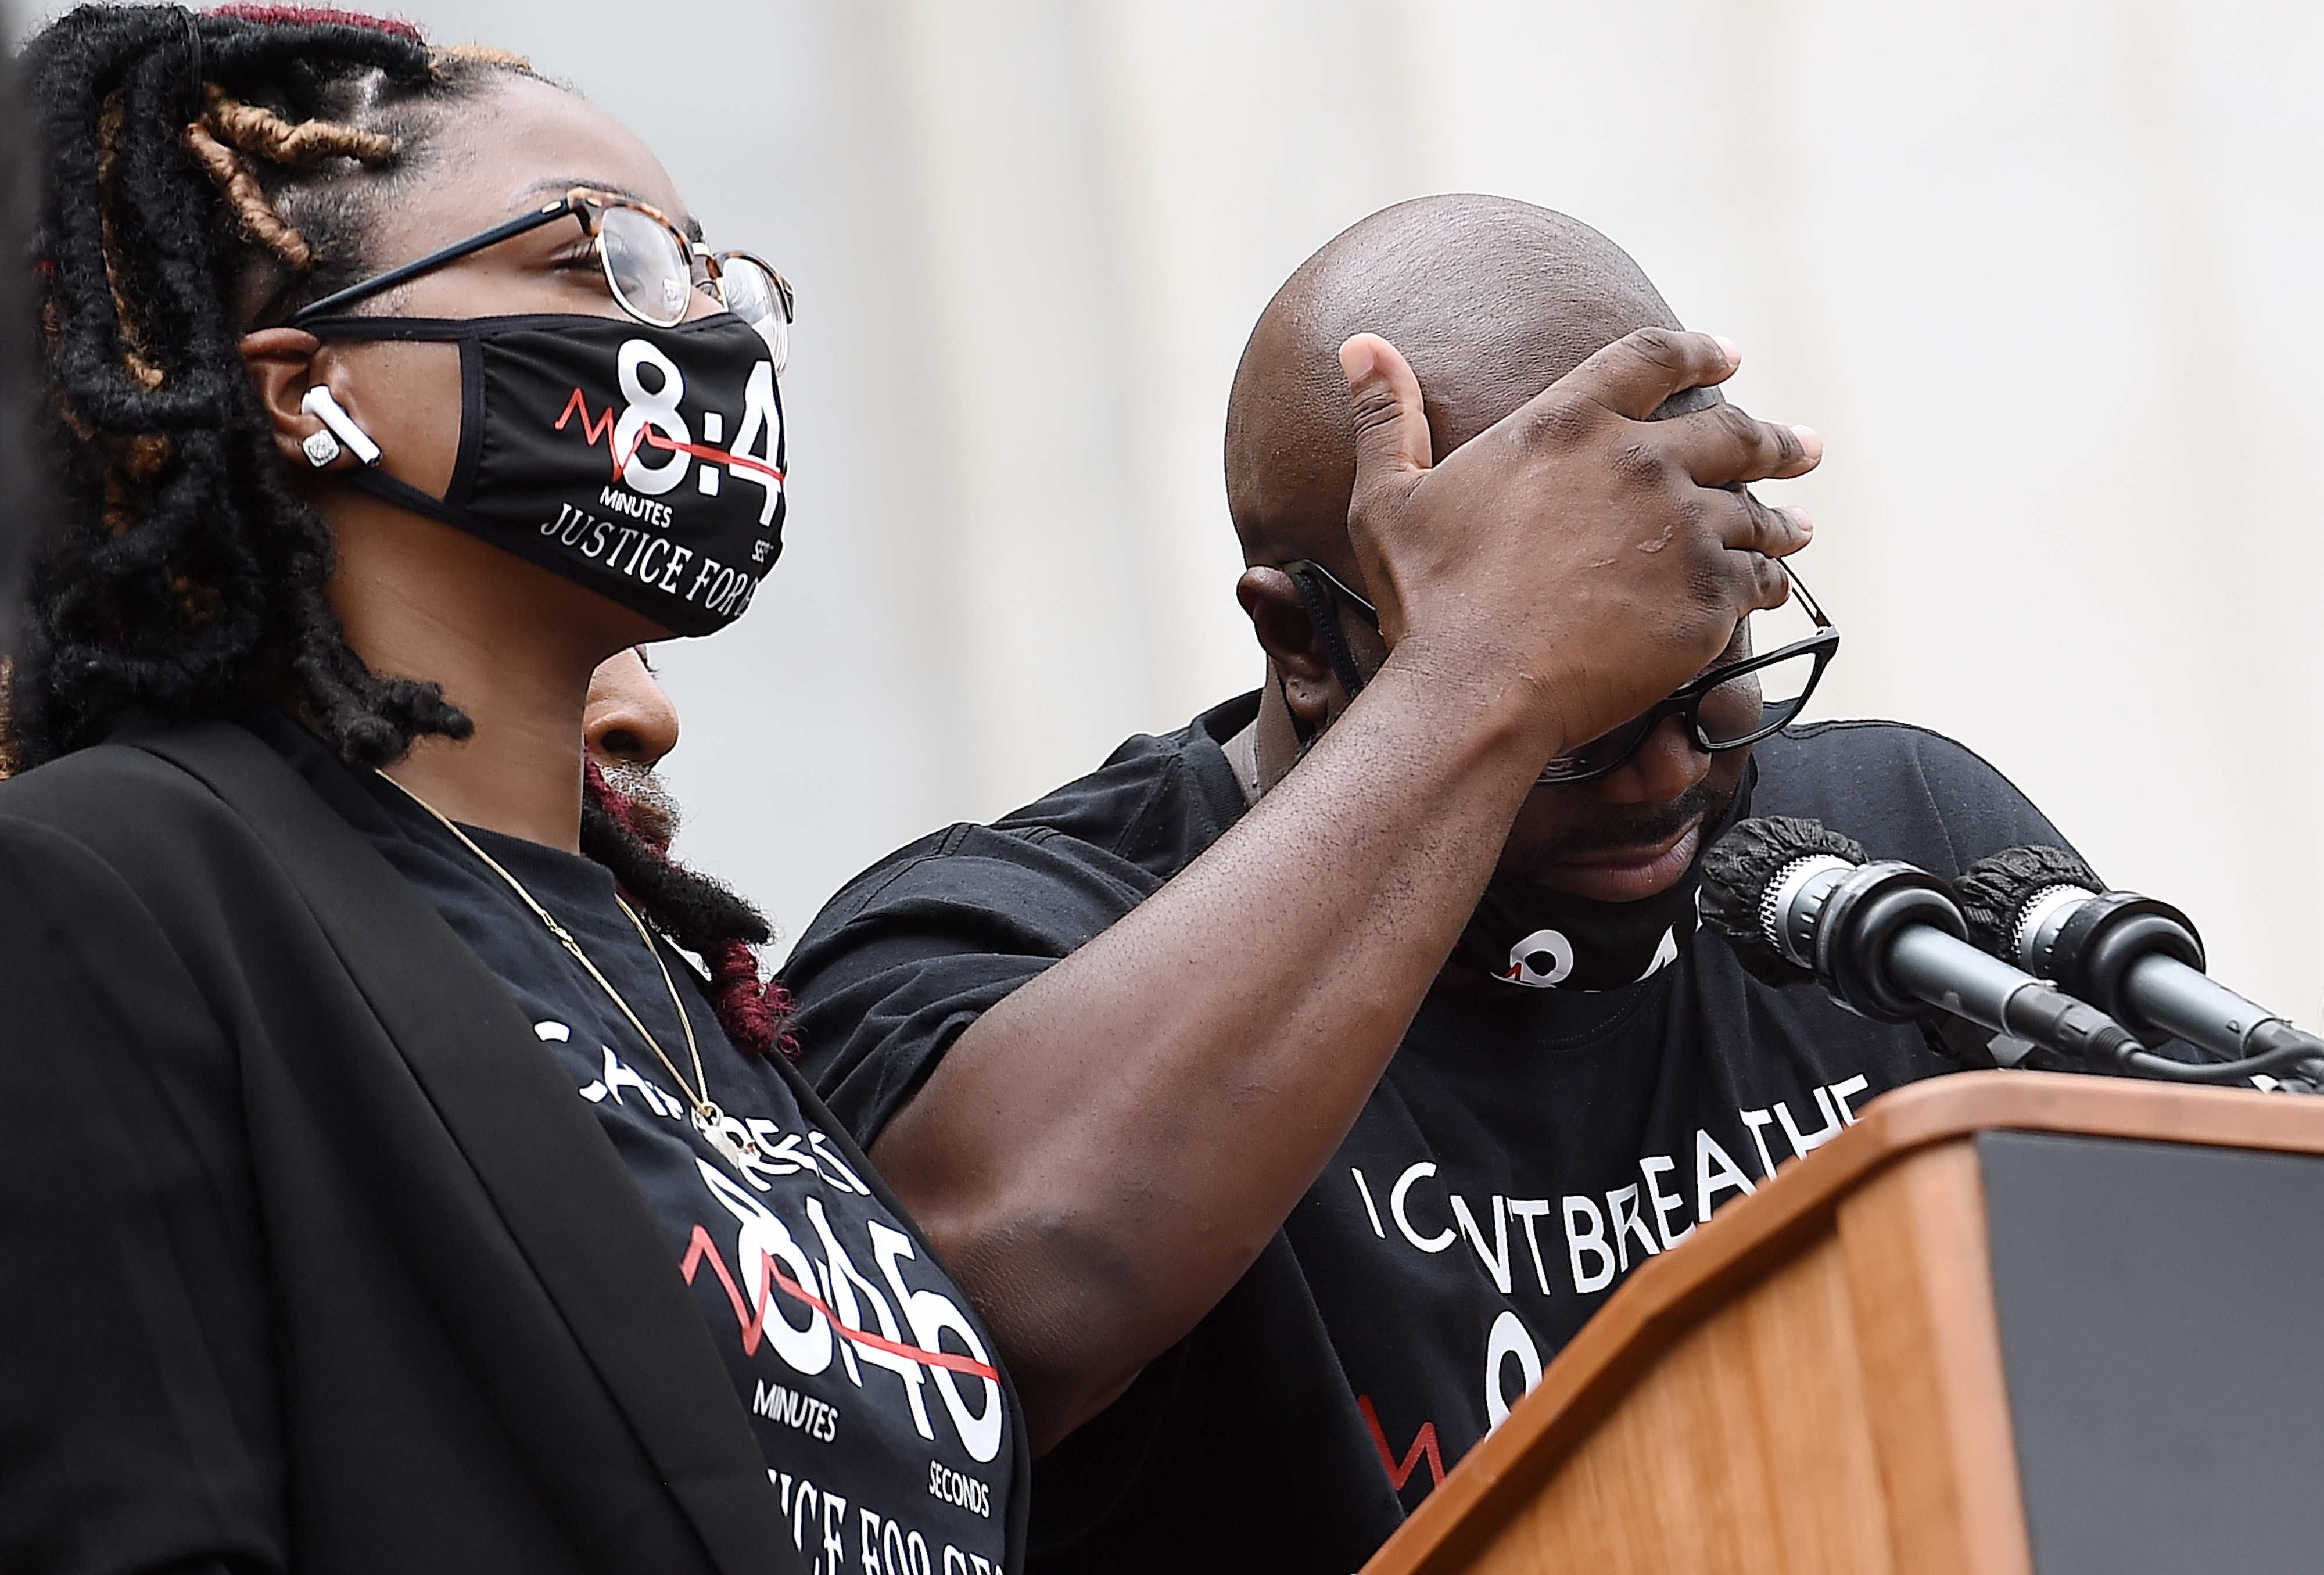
x,y
2045,274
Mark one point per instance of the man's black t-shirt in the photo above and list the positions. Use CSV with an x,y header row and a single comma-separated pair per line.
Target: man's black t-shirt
x,y
869,1383
1524,1151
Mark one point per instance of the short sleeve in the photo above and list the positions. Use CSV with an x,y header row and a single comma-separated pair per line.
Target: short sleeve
x,y
1903,792
916,949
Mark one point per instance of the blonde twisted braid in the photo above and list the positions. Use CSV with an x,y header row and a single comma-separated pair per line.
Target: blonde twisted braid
x,y
229,130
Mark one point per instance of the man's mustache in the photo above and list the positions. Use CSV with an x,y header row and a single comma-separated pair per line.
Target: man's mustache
x,y
1647,826
654,814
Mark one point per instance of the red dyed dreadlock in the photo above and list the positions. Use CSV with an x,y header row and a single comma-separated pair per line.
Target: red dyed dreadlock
x,y
319,16
702,915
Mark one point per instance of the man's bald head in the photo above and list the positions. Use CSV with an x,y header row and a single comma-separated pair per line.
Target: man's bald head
x,y
1492,301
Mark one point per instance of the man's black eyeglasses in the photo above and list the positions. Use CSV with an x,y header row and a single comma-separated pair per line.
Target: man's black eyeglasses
x,y
1729,708
650,266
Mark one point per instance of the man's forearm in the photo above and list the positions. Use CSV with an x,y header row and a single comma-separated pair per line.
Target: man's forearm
x,y
1104,1154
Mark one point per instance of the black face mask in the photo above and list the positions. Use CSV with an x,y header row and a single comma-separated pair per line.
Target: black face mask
x,y
1527,935
645,464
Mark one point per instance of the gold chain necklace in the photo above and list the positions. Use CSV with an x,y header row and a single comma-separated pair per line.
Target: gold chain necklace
x,y
732,1141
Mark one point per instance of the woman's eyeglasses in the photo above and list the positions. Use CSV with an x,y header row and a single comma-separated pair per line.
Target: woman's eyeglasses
x,y
651,268
1734,704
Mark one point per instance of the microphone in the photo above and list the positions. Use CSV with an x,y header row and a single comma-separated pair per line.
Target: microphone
x,y
1800,901
2138,960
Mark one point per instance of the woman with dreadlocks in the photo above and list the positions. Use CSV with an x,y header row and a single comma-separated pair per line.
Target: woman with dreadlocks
x,y
392,395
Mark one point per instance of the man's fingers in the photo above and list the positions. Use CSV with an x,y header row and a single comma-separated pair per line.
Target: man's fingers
x,y
1748,581
1749,526
1557,491
1770,585
1638,371
1722,445
1392,443
1754,584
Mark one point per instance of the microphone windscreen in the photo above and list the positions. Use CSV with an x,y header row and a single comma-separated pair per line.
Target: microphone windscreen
x,y
1994,891
1737,873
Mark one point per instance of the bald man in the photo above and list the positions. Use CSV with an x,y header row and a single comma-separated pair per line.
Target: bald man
x,y
1291,1089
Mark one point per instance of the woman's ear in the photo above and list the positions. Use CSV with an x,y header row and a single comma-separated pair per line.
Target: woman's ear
x,y
1278,617
282,363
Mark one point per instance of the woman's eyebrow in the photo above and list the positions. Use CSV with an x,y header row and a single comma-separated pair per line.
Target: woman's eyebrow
x,y
558,185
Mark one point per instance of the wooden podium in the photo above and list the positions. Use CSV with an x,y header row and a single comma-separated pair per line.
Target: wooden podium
x,y
2007,1322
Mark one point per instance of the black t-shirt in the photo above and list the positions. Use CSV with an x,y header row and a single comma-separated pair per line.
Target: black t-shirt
x,y
869,1383
1524,1151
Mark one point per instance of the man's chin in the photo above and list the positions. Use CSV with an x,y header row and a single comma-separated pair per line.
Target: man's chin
x,y
1628,875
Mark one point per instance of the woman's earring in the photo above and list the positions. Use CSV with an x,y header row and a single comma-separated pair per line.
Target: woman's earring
x,y
321,448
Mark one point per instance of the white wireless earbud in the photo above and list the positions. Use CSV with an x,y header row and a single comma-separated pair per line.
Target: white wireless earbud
x,y
320,404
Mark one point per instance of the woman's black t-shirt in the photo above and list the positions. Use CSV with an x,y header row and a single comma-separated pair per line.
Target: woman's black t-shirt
x,y
870,1385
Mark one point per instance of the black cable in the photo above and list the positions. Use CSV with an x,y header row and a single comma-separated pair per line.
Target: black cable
x,y
1324,616
2301,1051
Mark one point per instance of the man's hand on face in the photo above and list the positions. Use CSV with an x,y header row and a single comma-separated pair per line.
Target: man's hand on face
x,y
1594,558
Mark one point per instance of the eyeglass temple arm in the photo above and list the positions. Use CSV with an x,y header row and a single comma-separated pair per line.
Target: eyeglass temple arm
x,y
1807,597
414,268
1305,572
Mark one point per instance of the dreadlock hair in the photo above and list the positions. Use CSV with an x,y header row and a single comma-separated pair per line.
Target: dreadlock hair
x,y
702,915
203,175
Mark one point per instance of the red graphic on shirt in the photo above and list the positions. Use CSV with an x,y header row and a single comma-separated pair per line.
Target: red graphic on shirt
x,y
771,1279
1424,1446
593,428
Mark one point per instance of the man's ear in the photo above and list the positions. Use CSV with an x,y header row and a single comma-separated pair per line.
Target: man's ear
x,y
283,367
1278,616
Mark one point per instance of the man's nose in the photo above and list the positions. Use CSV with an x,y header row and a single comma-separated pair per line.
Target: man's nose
x,y
1666,765
628,717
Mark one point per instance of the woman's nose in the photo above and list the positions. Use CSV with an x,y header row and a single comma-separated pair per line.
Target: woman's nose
x,y
628,717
